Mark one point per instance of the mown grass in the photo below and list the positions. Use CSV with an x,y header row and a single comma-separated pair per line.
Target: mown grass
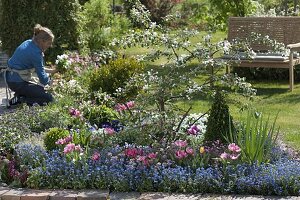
x,y
272,97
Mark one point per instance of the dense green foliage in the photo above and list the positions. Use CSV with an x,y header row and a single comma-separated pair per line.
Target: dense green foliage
x,y
158,8
219,123
194,12
52,135
19,18
112,76
228,8
99,114
98,25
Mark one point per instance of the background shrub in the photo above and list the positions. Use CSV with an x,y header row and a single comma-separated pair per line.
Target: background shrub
x,y
98,24
19,18
158,8
114,75
194,12
219,120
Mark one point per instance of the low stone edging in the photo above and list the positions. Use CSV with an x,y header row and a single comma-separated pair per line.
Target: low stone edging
x,y
93,194
31,194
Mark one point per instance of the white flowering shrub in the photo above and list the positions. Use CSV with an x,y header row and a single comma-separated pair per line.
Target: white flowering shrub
x,y
64,88
156,114
62,62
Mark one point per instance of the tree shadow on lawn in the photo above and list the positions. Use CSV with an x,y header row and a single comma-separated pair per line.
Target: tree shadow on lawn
x,y
271,91
279,95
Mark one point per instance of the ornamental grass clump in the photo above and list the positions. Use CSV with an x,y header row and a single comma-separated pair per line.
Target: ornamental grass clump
x,y
256,137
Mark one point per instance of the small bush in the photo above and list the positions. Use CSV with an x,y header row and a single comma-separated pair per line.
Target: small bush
x,y
99,114
219,121
52,135
114,75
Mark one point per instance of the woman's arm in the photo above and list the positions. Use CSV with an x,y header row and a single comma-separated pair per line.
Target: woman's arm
x,y
50,70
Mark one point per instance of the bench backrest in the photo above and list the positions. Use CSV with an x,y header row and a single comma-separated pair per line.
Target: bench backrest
x,y
281,29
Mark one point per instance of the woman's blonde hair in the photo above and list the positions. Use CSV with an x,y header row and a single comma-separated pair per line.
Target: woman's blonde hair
x,y
41,33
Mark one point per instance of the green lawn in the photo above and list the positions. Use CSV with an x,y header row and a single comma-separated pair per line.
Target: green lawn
x,y
275,96
272,96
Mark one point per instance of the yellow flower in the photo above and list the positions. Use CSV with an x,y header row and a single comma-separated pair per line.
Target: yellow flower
x,y
202,150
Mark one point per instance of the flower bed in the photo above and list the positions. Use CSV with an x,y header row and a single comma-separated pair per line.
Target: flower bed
x,y
118,125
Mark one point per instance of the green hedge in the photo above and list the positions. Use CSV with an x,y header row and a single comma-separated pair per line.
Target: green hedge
x,y
20,16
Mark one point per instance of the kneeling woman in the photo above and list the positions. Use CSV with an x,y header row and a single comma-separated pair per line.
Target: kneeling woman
x,y
26,74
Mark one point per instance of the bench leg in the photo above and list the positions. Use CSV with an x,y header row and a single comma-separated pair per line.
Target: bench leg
x,y
291,76
291,71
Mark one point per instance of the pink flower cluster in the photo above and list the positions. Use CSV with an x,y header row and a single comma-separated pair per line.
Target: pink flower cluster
x,y
69,148
181,143
74,112
146,160
109,131
133,152
120,107
138,155
234,152
193,130
65,140
184,151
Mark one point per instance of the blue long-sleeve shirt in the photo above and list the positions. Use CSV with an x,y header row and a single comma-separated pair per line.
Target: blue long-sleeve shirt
x,y
27,56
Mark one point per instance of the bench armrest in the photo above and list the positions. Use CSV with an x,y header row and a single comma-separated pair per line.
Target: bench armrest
x,y
293,46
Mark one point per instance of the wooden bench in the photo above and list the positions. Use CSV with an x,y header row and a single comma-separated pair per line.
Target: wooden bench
x,y
285,30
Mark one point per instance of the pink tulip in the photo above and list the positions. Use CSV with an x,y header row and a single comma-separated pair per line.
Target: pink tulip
x,y
120,107
234,148
109,131
96,156
190,151
193,130
234,156
130,104
181,143
152,155
224,156
133,152
181,154
69,148
74,112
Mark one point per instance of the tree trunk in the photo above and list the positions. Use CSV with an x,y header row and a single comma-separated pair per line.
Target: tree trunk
x,y
286,7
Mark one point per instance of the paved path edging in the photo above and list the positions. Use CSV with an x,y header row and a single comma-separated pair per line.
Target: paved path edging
x,y
7,193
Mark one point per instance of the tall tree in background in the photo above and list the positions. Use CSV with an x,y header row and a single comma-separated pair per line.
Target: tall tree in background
x,y
19,17
226,8
158,8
